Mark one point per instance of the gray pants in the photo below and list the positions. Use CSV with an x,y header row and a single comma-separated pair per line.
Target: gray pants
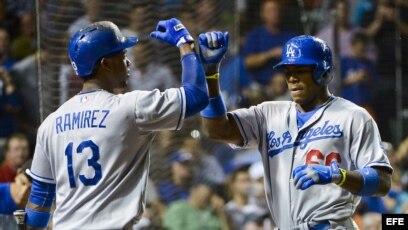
x,y
347,224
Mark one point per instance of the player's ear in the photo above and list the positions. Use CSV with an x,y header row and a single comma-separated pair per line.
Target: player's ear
x,y
106,64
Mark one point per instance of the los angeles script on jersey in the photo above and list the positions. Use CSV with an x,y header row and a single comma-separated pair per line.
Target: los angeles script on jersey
x,y
81,120
277,144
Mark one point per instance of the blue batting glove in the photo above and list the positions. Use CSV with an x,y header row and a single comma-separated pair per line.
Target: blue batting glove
x,y
307,175
213,46
173,32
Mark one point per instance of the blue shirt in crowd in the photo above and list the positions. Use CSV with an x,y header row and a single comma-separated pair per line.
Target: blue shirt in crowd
x,y
169,192
7,205
261,40
358,93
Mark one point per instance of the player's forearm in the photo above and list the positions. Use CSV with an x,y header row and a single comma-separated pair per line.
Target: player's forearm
x,y
193,81
215,128
39,204
36,208
220,128
212,82
185,49
354,182
211,126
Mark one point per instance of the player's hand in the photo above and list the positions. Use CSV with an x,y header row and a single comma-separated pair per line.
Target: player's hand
x,y
307,175
20,190
173,32
213,46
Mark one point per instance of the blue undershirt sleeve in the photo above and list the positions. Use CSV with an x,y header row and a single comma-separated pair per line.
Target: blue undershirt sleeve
x,y
194,84
42,195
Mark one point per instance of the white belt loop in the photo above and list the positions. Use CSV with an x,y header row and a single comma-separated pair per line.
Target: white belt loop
x,y
304,226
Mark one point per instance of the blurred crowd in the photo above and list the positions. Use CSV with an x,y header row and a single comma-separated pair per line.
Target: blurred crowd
x,y
196,183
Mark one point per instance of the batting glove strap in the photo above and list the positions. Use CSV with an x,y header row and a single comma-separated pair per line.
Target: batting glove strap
x,y
173,32
184,40
37,219
335,171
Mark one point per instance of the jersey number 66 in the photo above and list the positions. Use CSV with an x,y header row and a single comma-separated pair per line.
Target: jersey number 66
x,y
315,157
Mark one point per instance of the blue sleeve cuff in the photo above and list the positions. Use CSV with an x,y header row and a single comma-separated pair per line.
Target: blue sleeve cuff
x,y
196,100
371,181
216,107
7,204
37,219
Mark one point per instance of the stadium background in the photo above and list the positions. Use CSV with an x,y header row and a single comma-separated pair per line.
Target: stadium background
x,y
237,17
39,32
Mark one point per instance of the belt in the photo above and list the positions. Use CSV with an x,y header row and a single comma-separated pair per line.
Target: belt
x,y
325,225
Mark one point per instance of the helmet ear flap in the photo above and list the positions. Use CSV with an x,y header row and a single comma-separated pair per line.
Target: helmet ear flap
x,y
326,78
322,76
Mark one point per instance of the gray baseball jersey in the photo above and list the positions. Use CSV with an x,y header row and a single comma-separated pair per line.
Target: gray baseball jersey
x,y
95,149
338,130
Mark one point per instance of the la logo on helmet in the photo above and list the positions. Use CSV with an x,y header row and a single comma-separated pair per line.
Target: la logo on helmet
x,y
292,51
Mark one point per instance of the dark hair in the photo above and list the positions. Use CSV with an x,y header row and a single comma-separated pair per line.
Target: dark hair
x,y
231,178
240,169
359,38
20,136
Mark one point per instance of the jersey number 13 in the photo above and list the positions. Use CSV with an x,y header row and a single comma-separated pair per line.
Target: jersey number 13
x,y
92,162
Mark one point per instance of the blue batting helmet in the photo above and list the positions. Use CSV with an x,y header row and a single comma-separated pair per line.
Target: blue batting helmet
x,y
94,42
309,50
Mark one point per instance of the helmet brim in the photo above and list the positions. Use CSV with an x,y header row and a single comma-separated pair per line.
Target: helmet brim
x,y
294,61
130,41
127,43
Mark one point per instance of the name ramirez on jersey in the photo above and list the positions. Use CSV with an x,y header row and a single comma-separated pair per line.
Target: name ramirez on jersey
x,y
81,120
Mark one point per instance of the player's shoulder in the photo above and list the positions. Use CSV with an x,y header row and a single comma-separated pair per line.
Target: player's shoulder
x,y
273,107
344,106
265,109
279,105
46,125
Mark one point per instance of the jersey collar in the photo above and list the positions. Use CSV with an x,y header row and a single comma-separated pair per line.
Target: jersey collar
x,y
89,91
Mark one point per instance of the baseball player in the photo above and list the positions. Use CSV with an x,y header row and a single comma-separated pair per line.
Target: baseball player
x,y
92,153
320,152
